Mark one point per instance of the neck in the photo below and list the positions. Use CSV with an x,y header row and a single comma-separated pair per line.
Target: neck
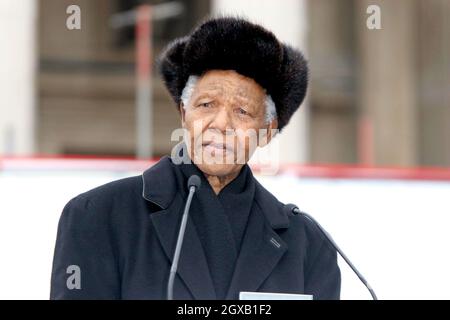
x,y
219,182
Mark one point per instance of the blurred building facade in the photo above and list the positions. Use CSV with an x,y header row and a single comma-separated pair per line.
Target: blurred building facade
x,y
376,97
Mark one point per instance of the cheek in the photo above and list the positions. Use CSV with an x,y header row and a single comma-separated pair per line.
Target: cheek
x,y
194,123
188,119
196,126
247,139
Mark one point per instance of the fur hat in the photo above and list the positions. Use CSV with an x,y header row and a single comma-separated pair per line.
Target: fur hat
x,y
230,43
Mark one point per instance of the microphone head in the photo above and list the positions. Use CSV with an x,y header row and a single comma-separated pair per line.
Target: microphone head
x,y
291,209
194,181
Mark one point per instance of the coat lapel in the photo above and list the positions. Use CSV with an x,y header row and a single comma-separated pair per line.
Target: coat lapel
x,y
262,247
160,189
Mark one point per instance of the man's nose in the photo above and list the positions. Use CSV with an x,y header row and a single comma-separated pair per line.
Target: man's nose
x,y
221,121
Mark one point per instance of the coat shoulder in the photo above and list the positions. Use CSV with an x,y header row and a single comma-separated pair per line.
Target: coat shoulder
x,y
101,202
104,209
279,215
118,189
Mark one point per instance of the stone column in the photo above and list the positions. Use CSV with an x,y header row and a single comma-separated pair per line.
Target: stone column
x,y
17,76
387,83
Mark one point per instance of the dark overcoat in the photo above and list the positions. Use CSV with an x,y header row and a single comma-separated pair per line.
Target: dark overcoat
x,y
117,242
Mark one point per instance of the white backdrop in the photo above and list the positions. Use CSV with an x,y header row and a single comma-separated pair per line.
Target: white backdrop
x,y
395,231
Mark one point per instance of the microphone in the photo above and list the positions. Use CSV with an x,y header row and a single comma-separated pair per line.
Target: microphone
x,y
193,184
294,210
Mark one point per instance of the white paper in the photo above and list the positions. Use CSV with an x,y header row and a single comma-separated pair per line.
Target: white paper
x,y
273,296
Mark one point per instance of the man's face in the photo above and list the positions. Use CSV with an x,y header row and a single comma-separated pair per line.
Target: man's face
x,y
223,118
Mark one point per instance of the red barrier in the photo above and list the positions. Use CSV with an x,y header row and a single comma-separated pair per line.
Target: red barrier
x,y
312,171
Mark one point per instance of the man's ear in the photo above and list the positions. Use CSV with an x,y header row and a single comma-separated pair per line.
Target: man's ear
x,y
182,113
269,132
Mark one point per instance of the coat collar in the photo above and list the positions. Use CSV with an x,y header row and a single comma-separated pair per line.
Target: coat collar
x,y
159,187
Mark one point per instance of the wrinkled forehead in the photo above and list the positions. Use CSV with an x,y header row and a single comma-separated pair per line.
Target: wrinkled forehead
x,y
229,84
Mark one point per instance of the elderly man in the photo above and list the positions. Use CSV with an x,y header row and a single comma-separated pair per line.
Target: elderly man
x,y
229,77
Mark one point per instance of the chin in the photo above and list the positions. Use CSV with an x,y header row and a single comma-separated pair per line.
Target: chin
x,y
218,169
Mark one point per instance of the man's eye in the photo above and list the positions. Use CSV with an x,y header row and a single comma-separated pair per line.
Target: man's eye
x,y
205,104
242,111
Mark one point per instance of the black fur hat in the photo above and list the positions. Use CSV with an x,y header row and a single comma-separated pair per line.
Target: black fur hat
x,y
230,43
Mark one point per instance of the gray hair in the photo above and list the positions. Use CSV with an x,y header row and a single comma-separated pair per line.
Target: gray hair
x,y
186,94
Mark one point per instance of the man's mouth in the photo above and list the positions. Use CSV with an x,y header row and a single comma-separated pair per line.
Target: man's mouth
x,y
216,147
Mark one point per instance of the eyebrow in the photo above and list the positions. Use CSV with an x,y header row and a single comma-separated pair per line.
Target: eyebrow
x,y
212,90
240,98
204,95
